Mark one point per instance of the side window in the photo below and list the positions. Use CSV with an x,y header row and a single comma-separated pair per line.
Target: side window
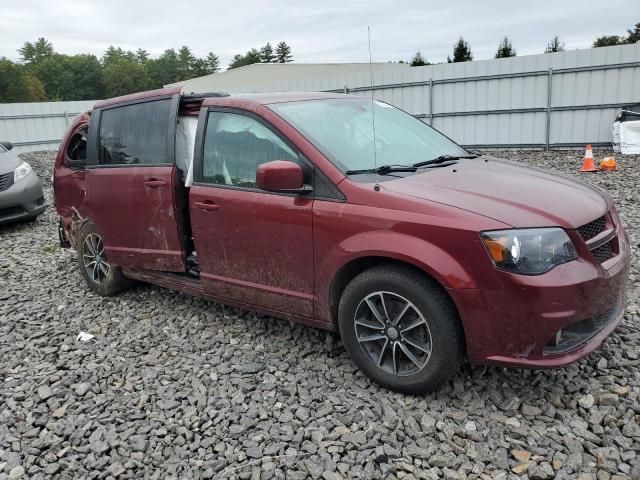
x,y
135,134
76,152
235,145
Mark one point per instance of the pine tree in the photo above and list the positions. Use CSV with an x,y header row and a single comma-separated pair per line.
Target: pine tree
x,y
142,55
555,45
199,68
266,54
185,62
505,49
634,35
418,60
113,54
608,41
283,53
213,63
461,51
238,60
164,69
34,52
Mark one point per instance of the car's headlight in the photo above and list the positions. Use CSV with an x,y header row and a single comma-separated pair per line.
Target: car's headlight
x,y
21,171
529,251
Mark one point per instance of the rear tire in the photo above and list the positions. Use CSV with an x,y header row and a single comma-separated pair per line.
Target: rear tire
x,y
401,329
100,276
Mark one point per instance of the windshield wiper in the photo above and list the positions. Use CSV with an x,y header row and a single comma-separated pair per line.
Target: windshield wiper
x,y
442,159
384,169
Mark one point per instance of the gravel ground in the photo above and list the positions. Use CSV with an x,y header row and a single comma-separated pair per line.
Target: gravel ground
x,y
177,387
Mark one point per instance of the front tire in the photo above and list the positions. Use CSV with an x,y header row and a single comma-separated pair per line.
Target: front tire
x,y
101,277
401,329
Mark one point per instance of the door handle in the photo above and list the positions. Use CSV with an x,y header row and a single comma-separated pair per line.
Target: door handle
x,y
207,205
154,183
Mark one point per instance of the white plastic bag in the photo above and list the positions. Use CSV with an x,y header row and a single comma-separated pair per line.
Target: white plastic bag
x,y
630,138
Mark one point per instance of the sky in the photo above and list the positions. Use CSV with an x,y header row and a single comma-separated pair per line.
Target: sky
x,y
316,30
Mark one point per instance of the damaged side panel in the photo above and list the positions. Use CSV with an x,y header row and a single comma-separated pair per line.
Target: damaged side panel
x,y
130,186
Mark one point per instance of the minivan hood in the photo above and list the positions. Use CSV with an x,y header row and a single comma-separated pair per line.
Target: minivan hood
x,y
508,192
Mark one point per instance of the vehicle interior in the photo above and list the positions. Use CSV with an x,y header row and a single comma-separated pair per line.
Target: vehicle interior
x,y
76,154
188,112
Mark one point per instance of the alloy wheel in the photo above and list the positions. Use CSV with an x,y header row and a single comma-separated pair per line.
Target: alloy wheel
x,y
94,259
393,333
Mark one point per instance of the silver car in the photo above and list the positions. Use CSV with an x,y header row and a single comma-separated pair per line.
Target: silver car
x,y
21,196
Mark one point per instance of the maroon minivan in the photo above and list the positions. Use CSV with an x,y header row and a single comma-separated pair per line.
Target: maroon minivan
x,y
420,253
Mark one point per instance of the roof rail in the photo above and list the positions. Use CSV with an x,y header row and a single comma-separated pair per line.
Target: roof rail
x,y
195,97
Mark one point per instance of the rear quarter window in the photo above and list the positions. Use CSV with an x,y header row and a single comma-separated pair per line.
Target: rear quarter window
x,y
135,134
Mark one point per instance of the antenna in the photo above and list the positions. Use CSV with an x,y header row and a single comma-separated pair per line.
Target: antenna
x,y
373,115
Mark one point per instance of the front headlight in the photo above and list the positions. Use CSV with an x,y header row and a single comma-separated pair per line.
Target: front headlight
x,y
21,171
529,251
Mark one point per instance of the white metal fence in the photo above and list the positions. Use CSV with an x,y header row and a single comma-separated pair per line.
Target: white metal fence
x,y
38,126
549,100
536,116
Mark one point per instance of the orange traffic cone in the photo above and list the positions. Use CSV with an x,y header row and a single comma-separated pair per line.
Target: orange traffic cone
x,y
608,163
589,164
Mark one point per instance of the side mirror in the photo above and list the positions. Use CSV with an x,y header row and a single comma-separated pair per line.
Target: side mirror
x,y
281,176
7,145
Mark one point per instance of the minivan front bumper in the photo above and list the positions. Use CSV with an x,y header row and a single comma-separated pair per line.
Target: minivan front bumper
x,y
22,200
549,320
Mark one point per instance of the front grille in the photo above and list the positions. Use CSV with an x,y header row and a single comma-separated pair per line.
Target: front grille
x,y
6,181
592,229
603,252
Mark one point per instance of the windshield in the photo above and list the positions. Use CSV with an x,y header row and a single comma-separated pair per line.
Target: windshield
x,y
343,130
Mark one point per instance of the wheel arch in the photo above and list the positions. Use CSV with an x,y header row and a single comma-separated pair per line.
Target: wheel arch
x,y
356,266
367,249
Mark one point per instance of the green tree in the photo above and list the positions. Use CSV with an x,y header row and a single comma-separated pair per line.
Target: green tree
x,y
114,54
142,56
505,49
213,63
35,88
36,51
199,68
124,76
634,35
267,54
608,41
13,84
461,52
185,63
283,53
555,45
252,56
418,60
88,78
71,77
164,69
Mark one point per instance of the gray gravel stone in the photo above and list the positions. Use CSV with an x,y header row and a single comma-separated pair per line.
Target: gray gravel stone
x,y
82,389
586,401
177,387
16,472
608,399
44,392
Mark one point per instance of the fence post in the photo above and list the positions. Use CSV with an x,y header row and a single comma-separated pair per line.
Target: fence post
x,y
431,101
548,124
